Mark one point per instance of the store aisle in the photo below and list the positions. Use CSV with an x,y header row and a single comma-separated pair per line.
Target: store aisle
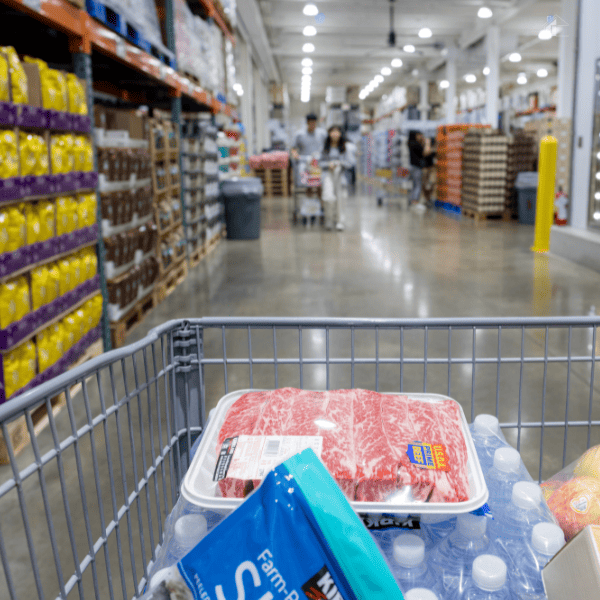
x,y
388,263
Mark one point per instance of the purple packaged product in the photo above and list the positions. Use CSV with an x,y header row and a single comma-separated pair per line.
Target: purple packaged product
x,y
8,113
11,188
33,116
89,180
59,120
38,185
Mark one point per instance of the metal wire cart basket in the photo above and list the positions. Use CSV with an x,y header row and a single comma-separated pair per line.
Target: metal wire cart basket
x,y
82,505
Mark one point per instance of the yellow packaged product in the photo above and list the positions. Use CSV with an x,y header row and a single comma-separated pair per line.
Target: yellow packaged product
x,y
14,301
67,219
18,79
34,154
97,309
88,164
4,237
57,154
17,231
81,322
4,73
68,144
66,275
76,92
11,373
40,281
9,165
60,85
26,363
87,209
88,311
46,348
32,222
71,325
54,276
46,215
76,270
79,152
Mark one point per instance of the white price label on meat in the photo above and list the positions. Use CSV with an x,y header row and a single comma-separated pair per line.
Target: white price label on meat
x,y
256,455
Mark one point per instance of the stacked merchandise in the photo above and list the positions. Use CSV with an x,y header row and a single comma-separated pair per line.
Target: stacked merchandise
x,y
166,183
272,170
365,163
521,157
48,229
485,160
449,144
213,207
229,151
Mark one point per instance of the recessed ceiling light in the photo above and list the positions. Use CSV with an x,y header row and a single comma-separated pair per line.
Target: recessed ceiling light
x,y
378,78
386,71
542,73
306,78
425,33
415,72
375,84
309,30
397,63
237,85
240,92
444,84
409,48
307,62
308,47
515,57
307,71
486,71
470,78
597,216
545,34
485,13
522,79
311,10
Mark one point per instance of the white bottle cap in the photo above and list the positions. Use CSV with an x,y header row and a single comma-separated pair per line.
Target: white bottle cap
x,y
507,460
431,518
420,594
487,425
526,495
190,529
162,575
547,538
409,550
489,572
471,526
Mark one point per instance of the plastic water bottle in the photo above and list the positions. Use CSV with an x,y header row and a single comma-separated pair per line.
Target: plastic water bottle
x,y
488,581
487,437
436,528
526,575
420,594
188,531
408,565
502,477
515,523
453,557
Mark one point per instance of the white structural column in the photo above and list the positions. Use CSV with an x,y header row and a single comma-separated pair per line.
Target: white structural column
x,y
424,99
567,38
492,82
451,89
245,78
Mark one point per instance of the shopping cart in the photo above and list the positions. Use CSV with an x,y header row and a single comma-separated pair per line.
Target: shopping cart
x,y
306,199
82,509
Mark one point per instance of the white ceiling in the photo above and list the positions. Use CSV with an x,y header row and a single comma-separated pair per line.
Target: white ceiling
x,y
352,39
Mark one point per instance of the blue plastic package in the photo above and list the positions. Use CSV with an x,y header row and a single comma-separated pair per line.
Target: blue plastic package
x,y
295,537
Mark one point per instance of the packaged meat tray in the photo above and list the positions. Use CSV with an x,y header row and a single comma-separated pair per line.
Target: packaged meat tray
x,y
387,452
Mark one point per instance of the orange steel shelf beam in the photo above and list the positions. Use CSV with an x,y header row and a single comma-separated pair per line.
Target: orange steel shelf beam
x,y
216,15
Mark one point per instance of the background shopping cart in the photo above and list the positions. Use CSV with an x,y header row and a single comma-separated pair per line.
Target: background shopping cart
x,y
82,509
306,199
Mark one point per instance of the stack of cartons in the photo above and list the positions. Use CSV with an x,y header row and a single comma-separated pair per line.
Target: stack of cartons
x,y
485,162
522,156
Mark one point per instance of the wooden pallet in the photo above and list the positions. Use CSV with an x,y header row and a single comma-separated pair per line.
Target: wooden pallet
x,y
503,215
17,429
124,326
176,274
275,181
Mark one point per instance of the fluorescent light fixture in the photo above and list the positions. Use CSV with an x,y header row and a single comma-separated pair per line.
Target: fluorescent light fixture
x,y
597,195
470,78
444,84
307,62
486,71
311,10
305,98
545,34
409,48
378,78
425,32
397,63
542,73
307,71
386,71
309,31
237,86
375,84
597,216
308,47
515,57
522,80
415,72
240,92
485,13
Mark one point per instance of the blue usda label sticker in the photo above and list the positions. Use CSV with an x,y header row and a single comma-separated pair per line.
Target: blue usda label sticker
x,y
428,456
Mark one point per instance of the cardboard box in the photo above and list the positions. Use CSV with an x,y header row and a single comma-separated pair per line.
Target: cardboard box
x,y
574,573
34,83
115,119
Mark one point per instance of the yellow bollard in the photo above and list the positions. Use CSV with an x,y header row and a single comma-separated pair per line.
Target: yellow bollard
x,y
544,210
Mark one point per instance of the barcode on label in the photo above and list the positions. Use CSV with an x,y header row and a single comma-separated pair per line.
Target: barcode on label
x,y
272,448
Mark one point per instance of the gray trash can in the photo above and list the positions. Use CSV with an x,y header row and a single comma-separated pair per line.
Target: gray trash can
x,y
241,196
526,186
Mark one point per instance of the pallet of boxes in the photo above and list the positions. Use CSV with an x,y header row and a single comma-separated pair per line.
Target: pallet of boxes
x,y
485,161
128,228
272,169
166,185
522,157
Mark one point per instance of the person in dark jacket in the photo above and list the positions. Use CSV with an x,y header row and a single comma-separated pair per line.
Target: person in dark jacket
x,y
420,150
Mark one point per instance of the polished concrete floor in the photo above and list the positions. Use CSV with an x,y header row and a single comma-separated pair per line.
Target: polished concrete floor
x,y
117,466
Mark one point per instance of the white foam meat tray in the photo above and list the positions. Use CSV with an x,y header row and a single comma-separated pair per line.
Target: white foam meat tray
x,y
199,488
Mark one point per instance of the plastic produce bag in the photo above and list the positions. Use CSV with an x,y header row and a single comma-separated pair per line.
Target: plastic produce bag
x,y
76,93
18,79
34,154
4,84
9,165
295,537
46,217
573,494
